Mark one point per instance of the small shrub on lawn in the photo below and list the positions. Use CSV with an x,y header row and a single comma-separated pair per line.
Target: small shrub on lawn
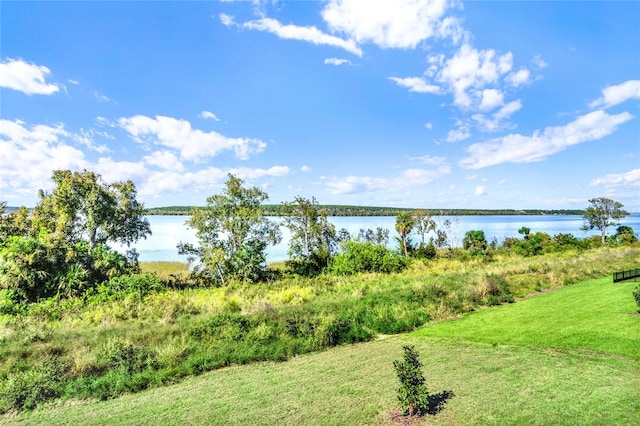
x,y
636,296
412,394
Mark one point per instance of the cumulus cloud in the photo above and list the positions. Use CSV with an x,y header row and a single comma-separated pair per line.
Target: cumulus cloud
x,y
164,160
480,190
398,24
25,77
337,61
29,154
518,78
305,168
470,68
614,95
192,144
490,99
207,115
516,148
630,178
309,34
416,84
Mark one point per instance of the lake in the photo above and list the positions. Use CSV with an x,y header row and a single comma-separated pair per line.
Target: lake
x,y
168,231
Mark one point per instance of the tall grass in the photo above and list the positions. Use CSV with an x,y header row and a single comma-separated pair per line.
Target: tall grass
x,y
124,345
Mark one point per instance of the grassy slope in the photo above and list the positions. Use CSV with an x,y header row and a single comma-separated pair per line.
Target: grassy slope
x,y
499,382
594,316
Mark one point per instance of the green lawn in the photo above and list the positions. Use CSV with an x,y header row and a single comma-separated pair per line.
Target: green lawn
x,y
503,364
596,315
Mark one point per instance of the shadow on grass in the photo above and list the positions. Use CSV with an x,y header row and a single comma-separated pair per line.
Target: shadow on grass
x,y
437,402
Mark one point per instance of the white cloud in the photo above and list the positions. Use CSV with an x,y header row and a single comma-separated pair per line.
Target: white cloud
x,y
207,115
308,34
480,190
515,148
416,84
337,61
26,77
490,99
102,98
192,144
471,68
539,62
164,160
459,134
408,178
29,155
518,78
227,20
614,95
428,126
430,160
631,178
305,169
497,121
398,24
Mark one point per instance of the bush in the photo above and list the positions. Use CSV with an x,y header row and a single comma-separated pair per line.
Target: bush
x,y
412,394
367,257
26,389
636,296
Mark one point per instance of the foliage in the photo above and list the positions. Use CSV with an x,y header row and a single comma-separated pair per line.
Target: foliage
x,y
26,389
84,208
423,224
366,257
313,238
601,214
232,234
412,394
636,296
475,242
379,236
625,235
404,225
427,251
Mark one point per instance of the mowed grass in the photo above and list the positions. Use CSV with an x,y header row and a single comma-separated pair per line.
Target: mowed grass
x,y
503,364
596,315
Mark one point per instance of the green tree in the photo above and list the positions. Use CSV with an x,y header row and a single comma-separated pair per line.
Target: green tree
x,y
60,248
424,224
82,207
625,234
313,238
524,231
404,225
601,214
232,234
14,222
475,242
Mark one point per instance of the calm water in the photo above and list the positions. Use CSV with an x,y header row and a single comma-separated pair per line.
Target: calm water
x,y
168,231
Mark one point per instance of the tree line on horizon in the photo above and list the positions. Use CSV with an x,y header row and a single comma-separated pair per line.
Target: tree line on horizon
x,y
349,210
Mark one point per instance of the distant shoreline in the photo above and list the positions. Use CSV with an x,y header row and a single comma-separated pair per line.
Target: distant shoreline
x,y
339,210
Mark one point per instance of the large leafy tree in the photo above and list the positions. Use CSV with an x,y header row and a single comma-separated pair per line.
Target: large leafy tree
x,y
601,214
232,234
60,248
83,207
313,238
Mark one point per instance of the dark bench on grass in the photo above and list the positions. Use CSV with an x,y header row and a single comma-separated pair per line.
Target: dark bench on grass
x,y
626,275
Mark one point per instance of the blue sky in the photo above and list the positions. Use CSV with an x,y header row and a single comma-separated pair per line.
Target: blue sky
x,y
434,104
